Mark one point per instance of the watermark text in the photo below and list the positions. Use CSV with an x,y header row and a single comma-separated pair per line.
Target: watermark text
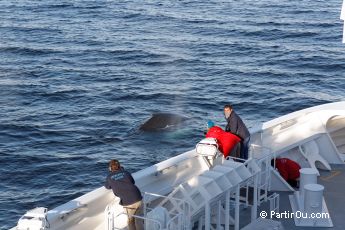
x,y
298,215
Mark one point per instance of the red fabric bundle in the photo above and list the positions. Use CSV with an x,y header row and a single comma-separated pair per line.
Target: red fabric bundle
x,y
226,141
288,169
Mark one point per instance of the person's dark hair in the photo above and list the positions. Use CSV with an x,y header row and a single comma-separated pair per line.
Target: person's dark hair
x,y
228,106
114,165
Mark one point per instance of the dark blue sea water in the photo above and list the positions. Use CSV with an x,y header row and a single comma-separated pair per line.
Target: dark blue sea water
x,y
77,78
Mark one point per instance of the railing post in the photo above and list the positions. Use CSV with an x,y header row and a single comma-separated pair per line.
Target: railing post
x,y
227,210
255,198
207,216
237,208
218,214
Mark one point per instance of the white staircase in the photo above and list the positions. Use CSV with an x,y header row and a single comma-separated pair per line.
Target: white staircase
x,y
210,192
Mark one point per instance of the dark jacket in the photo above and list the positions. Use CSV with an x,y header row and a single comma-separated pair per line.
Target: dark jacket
x,y
123,186
236,126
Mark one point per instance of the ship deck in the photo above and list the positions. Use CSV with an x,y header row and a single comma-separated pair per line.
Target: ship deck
x,y
334,183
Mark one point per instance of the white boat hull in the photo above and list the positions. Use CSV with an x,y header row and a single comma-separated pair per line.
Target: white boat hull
x,y
284,136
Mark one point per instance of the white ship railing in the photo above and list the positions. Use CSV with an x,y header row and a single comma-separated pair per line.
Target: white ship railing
x,y
255,174
263,156
177,220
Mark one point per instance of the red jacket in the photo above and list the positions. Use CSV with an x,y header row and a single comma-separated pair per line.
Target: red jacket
x,y
226,141
287,168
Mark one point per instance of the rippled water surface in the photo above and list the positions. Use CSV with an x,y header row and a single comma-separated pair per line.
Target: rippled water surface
x,y
77,78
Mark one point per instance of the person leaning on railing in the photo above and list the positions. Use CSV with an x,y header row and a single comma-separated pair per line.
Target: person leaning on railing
x,y
123,186
236,126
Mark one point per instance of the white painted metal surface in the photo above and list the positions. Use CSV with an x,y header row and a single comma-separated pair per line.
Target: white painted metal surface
x,y
35,219
281,137
308,176
308,204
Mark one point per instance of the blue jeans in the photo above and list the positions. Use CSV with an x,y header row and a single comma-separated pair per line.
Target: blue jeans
x,y
244,148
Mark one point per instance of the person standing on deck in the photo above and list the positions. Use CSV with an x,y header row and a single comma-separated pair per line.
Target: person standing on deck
x,y
123,186
236,126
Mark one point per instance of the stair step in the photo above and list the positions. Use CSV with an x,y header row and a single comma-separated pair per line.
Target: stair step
x,y
222,181
230,173
241,169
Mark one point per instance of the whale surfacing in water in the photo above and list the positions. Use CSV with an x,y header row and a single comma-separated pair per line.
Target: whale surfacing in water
x,y
162,121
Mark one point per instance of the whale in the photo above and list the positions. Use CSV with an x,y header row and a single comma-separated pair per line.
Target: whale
x,y
162,122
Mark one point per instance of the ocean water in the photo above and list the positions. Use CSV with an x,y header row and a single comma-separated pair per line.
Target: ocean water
x,y
77,78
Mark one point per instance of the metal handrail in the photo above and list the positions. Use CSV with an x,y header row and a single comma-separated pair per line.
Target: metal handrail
x,y
139,217
186,207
